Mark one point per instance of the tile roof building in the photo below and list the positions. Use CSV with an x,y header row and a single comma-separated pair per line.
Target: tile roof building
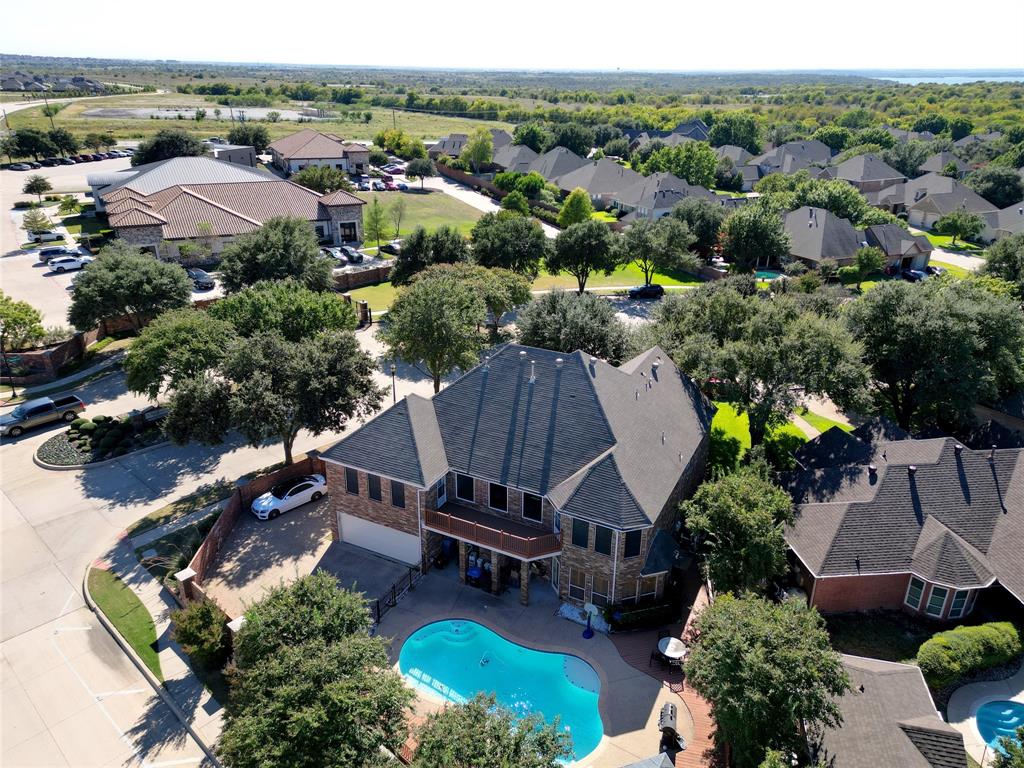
x,y
188,199
308,147
888,522
559,463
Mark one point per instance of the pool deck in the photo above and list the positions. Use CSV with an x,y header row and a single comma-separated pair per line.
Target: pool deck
x,y
630,698
964,703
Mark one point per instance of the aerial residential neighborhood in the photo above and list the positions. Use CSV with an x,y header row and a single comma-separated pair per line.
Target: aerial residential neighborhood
x,y
461,406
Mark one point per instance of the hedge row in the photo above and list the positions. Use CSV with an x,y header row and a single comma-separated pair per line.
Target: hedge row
x,y
954,654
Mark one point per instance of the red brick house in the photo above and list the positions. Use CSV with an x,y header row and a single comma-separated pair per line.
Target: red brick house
x,y
884,521
535,465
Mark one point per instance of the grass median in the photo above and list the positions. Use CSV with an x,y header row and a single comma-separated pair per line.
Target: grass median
x,y
128,615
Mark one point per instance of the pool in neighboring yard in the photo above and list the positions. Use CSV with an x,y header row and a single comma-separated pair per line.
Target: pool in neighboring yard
x,y
457,659
768,274
998,719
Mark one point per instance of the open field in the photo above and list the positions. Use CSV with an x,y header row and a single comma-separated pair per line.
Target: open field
x,y
429,209
421,125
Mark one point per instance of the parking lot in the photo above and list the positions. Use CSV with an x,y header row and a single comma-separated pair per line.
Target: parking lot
x,y
261,554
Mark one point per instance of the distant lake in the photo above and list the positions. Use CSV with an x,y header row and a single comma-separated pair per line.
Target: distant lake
x,y
955,79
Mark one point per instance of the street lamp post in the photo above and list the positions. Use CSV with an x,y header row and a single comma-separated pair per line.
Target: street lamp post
x,y
394,392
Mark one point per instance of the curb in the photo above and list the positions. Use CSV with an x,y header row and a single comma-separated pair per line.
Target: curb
x,y
67,467
155,684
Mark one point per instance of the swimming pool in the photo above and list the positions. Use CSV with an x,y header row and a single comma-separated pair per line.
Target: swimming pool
x,y
456,659
768,274
997,719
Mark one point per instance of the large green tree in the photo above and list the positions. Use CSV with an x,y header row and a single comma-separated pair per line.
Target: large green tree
x,y
768,672
737,128
478,149
510,241
1005,260
658,246
64,141
37,185
375,222
166,144
582,250
445,245
20,325
532,135
322,179
501,289
250,134
867,261
285,307
421,168
29,141
285,246
960,224
835,195
704,218
575,137
482,734
435,321
567,322
310,687
739,519
123,282
999,185
693,161
907,156
760,353
754,236
936,349
576,209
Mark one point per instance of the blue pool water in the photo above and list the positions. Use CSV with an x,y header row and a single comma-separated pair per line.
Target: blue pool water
x,y
768,274
998,719
457,659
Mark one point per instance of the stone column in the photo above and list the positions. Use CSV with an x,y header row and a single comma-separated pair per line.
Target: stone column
x,y
524,582
495,572
462,562
186,578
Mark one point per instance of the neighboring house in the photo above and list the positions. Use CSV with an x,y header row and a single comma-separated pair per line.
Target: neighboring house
x,y
500,138
926,211
816,234
233,153
868,173
902,249
794,156
550,467
654,196
1003,223
1008,412
557,162
885,522
903,136
602,179
160,205
308,147
889,718
692,130
750,174
449,145
938,162
514,157
738,155
977,138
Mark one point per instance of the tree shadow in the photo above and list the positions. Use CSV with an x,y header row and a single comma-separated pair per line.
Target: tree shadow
x,y
157,730
723,452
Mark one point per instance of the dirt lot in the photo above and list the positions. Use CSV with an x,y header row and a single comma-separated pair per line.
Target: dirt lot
x,y
260,554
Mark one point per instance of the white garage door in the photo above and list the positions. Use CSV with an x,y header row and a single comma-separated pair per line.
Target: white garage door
x,y
379,538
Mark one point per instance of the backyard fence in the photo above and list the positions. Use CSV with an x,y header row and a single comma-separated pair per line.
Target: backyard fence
x,y
396,592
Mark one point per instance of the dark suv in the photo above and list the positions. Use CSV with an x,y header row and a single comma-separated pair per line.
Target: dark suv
x,y
649,291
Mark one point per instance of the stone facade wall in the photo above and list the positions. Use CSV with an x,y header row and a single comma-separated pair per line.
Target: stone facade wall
x,y
345,214
362,506
141,237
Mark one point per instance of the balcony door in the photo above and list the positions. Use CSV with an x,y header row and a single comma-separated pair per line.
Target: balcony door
x,y
442,493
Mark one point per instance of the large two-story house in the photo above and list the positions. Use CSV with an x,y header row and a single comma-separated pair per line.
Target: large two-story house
x,y
534,466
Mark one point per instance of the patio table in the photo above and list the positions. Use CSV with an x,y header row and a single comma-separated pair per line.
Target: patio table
x,y
672,648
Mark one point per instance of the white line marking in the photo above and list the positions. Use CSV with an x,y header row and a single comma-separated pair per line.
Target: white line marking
x,y
182,761
66,604
128,692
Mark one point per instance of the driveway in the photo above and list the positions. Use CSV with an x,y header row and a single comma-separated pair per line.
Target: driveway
x,y
970,263
475,199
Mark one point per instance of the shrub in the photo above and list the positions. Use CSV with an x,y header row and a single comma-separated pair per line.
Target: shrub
x,y
956,653
77,423
100,419
202,630
87,427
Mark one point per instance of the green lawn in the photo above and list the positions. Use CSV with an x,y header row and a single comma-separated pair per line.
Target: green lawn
x,y
946,243
951,269
730,439
628,275
89,225
429,209
204,497
378,296
604,216
128,615
822,423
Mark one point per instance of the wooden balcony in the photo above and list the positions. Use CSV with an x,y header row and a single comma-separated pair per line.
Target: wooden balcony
x,y
493,532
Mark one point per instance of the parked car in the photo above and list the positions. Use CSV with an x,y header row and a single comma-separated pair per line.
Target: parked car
x,y
390,186
21,167
378,186
44,236
42,410
63,264
394,247
96,156
83,158
403,187
53,251
649,291
49,162
913,275
336,254
931,269
201,279
387,178
67,161
34,165
364,186
354,256
288,495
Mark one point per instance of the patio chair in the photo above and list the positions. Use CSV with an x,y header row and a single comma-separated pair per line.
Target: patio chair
x,y
657,656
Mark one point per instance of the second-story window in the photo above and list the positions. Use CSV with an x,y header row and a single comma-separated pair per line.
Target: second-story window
x,y
397,494
464,487
632,545
603,540
498,497
580,533
533,508
351,481
373,486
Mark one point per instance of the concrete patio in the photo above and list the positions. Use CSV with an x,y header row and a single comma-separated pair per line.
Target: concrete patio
x,y
630,699
964,703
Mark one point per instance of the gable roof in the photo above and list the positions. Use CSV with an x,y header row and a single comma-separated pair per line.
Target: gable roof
x,y
144,180
940,160
500,138
1008,221
738,155
309,144
895,241
557,162
808,152
658,191
586,434
889,718
450,145
816,234
956,518
514,157
867,167
960,197
600,177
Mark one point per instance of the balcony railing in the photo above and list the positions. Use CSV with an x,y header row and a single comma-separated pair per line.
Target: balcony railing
x,y
493,537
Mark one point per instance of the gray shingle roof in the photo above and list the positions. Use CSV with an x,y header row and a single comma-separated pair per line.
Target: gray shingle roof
x,y
557,162
867,167
940,160
957,518
153,177
816,234
600,177
889,719
514,157
809,152
586,434
895,241
659,190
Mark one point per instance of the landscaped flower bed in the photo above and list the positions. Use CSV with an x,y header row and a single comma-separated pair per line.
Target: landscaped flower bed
x,y
101,438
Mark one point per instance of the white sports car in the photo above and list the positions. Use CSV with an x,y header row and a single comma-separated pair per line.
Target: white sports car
x,y
289,495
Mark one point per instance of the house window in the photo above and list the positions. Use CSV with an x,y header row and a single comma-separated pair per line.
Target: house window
x,y
321,234
603,540
441,491
970,601
498,497
936,600
351,481
558,522
397,494
577,584
532,507
648,586
580,533
373,485
956,608
632,546
464,487
599,590
914,592
347,231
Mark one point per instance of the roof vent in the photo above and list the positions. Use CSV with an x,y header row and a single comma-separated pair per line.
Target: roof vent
x,y
522,355
558,362
912,469
663,437
533,372
636,394
958,448
872,469
992,454
593,360
487,363
657,362
680,457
